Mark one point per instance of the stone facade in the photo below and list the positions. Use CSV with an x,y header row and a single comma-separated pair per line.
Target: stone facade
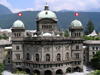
x,y
47,54
90,48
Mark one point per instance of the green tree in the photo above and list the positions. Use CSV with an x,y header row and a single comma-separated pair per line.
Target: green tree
x,y
1,68
5,36
95,61
89,27
20,72
96,72
0,74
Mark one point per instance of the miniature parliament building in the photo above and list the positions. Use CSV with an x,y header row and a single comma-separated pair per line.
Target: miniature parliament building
x,y
46,52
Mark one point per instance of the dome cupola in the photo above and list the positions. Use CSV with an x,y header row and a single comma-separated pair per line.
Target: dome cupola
x,y
76,23
18,23
46,13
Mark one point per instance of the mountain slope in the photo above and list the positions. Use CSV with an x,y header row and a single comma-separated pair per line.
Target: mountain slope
x,y
4,10
64,19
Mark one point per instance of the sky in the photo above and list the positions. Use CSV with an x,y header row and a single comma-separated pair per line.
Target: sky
x,y
54,5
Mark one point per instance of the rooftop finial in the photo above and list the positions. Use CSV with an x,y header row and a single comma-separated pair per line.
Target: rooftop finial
x,y
46,7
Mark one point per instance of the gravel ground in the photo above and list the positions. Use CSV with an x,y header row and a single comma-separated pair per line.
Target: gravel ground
x,y
85,71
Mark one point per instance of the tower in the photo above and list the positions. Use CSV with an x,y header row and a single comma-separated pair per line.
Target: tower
x,y
18,31
76,34
46,21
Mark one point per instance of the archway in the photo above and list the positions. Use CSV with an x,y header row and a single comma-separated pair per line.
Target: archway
x,y
48,72
19,69
59,72
68,70
37,72
27,70
77,69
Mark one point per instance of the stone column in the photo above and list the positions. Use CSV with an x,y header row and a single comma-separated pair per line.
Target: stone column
x,y
42,73
53,73
42,58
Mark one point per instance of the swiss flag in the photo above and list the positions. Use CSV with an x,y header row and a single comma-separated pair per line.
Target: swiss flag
x,y
20,14
76,14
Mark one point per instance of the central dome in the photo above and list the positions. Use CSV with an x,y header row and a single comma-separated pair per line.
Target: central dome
x,y
46,13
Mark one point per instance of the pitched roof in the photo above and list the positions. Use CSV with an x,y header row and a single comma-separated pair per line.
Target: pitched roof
x,y
93,33
92,42
5,42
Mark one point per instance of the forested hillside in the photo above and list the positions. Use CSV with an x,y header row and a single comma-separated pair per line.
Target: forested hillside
x,y
64,19
4,10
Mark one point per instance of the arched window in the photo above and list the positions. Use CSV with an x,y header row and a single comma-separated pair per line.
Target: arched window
x,y
67,55
47,57
58,57
19,34
93,53
27,56
79,34
75,34
37,57
77,46
15,34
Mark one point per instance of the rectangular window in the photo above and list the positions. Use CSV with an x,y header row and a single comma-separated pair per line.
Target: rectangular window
x,y
18,56
96,48
77,46
77,55
9,52
17,47
8,61
93,48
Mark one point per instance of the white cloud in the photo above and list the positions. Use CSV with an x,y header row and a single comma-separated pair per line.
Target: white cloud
x,y
5,3
14,10
57,5
19,10
68,4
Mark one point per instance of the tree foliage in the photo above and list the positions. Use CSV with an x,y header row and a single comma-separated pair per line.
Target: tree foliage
x,y
20,72
95,61
1,67
90,38
89,27
96,72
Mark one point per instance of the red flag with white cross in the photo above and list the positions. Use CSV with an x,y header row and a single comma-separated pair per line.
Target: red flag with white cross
x,y
20,14
76,14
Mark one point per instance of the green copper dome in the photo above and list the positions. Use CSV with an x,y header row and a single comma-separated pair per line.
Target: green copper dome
x,y
18,23
46,13
76,23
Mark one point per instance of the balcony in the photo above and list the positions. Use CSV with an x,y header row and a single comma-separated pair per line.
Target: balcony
x,y
45,38
76,59
44,62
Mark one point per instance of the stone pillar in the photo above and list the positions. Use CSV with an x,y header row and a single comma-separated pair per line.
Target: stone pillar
x,y
72,69
53,73
31,72
42,55
42,73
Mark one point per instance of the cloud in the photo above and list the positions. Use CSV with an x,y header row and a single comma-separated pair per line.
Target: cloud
x,y
14,10
19,10
57,5
68,4
5,3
